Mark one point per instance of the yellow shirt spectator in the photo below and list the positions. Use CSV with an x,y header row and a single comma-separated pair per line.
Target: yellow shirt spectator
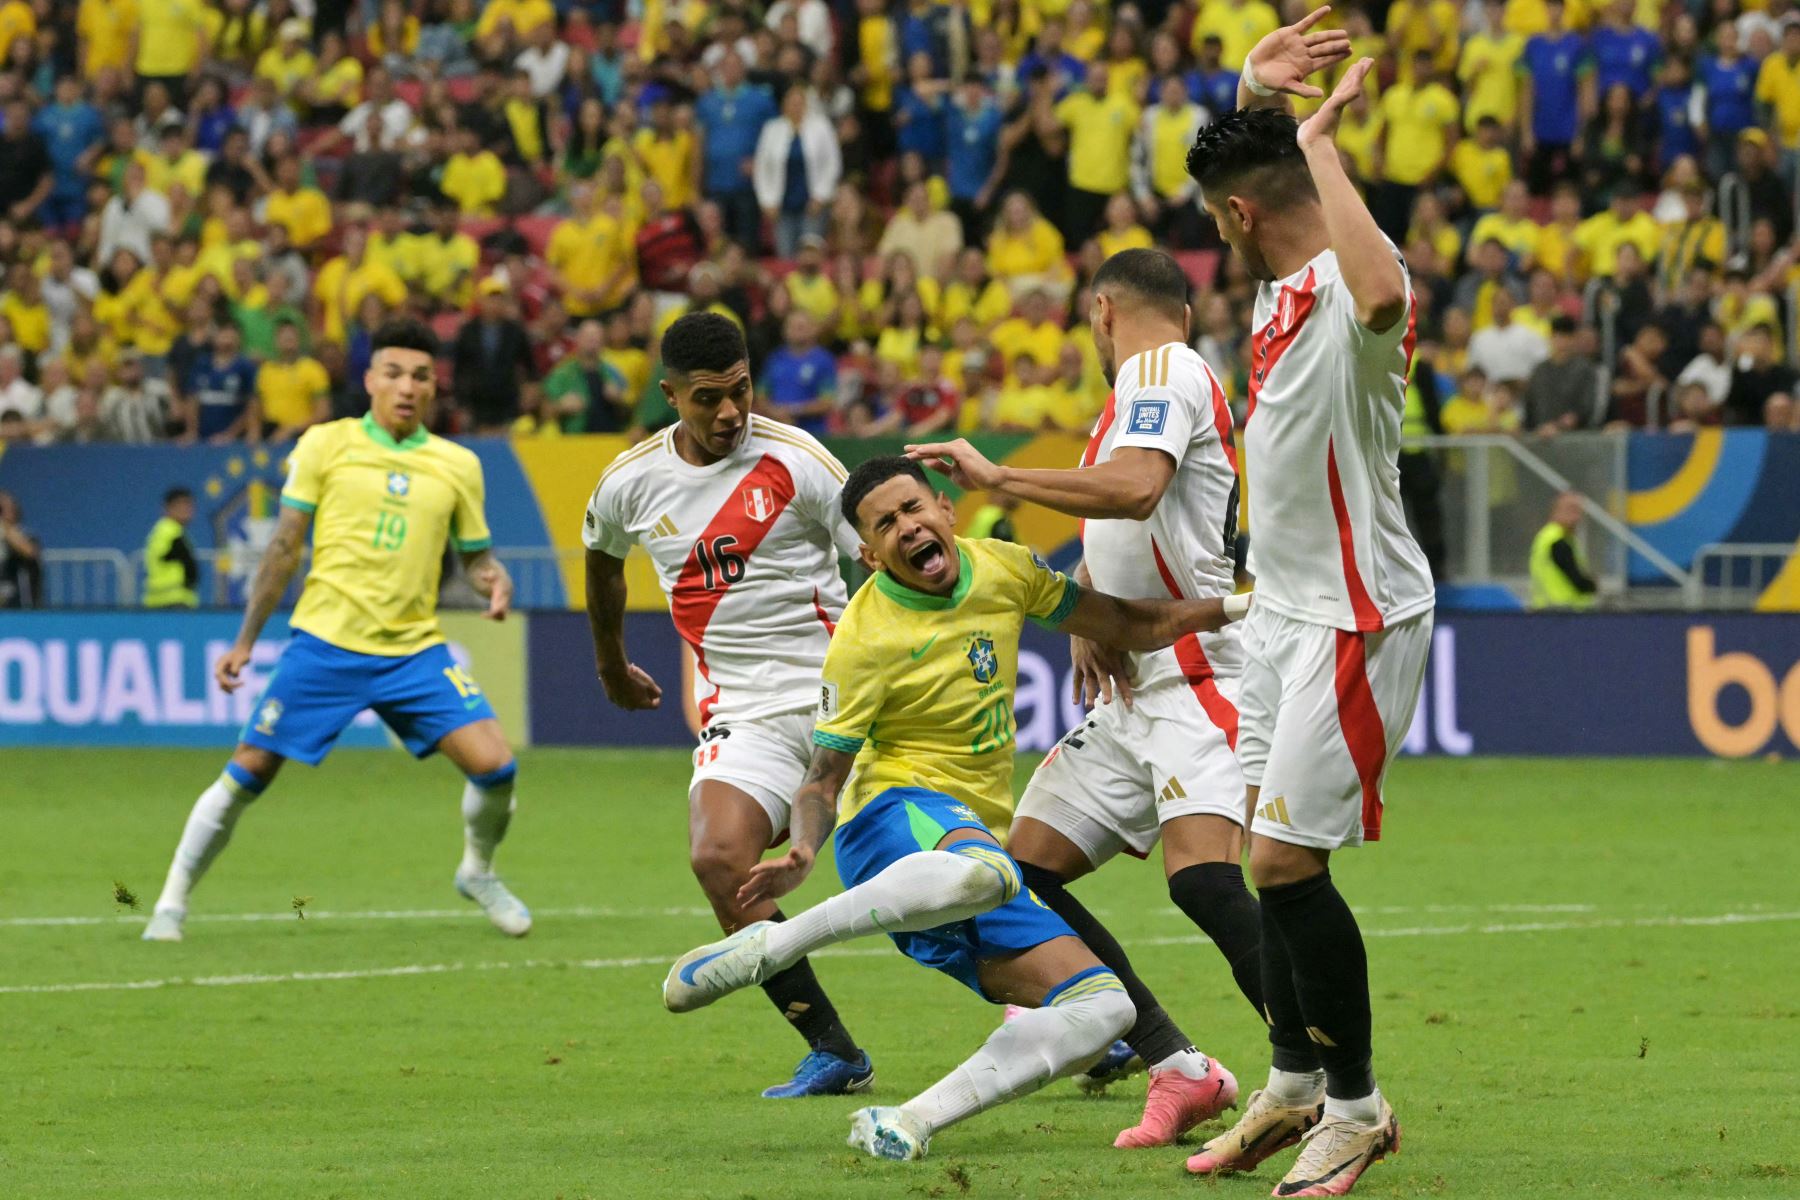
x,y
341,83
1073,407
1134,237
304,212
178,284
1023,407
103,31
189,170
1123,78
1420,122
1171,133
1414,25
1559,253
1600,236
817,296
875,38
17,23
1521,237
1100,129
1489,73
445,268
30,322
171,34
218,261
136,315
340,290
1358,136
585,255
1018,338
291,392
287,71
1238,24
1036,251
525,15
409,38
669,161
1740,312
900,346
633,364
475,182
527,129
1445,241
1528,17
1482,173
989,308
1778,86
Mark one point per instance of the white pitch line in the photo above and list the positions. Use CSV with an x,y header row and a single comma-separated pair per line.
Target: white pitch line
x,y
613,964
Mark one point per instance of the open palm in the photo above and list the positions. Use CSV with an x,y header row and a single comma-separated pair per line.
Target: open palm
x,y
1322,125
1283,60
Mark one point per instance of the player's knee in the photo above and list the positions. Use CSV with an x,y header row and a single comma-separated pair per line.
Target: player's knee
x,y
1114,1013
253,768
984,874
719,868
1096,1003
500,778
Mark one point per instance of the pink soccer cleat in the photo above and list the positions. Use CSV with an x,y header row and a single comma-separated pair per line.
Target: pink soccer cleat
x,y
1176,1103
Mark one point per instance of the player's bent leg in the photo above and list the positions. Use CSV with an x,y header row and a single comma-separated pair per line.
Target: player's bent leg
x,y
1078,1008
214,815
728,830
480,751
1202,856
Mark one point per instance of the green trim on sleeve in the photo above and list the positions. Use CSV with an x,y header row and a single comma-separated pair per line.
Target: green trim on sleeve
x,y
837,741
1070,598
302,505
470,547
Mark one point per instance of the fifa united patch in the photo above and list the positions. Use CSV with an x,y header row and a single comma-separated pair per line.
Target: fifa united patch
x,y
1148,416
982,660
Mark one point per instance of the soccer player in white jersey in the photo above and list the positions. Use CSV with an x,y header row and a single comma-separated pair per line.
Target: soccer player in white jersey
x,y
1337,643
1158,492
740,515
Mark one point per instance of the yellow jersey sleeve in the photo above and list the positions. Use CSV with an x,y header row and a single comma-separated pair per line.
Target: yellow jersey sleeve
x,y
1046,596
306,468
468,524
851,690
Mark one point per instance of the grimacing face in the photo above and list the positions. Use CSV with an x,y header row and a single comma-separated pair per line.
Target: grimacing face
x,y
910,533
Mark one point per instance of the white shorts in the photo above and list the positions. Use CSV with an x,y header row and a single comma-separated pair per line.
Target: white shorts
x,y
764,758
1113,780
1322,712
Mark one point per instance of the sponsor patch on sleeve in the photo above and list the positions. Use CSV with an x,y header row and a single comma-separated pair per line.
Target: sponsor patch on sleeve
x,y
828,701
1148,417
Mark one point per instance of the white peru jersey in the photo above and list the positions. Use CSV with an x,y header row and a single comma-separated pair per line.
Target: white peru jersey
x,y
746,551
1329,543
1168,399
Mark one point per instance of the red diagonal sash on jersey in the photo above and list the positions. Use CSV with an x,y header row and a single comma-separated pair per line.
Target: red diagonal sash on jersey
x,y
691,602
1092,453
1195,667
1292,307
1368,617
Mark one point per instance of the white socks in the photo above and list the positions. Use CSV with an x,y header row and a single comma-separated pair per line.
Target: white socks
x,y
1082,1019
1189,1062
920,891
1295,1087
208,828
487,808
1364,1111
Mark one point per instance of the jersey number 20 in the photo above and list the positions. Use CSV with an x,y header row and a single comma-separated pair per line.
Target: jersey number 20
x,y
719,567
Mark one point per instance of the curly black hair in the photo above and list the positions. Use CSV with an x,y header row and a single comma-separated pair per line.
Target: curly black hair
x,y
871,474
1252,152
405,333
703,341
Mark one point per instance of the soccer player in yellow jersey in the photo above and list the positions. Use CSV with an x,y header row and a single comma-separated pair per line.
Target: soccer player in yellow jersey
x,y
915,712
383,497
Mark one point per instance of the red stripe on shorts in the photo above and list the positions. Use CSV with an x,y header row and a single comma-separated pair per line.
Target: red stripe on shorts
x,y
1361,723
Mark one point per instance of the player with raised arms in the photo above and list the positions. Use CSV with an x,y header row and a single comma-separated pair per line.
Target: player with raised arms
x,y
1336,647
1157,491
915,712
739,513
382,497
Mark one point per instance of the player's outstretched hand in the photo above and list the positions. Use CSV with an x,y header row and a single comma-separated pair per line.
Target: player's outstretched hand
x,y
632,688
1100,673
1322,125
967,467
229,668
490,579
774,878
1283,59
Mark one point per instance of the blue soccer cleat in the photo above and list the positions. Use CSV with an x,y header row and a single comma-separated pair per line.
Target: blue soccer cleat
x,y
1119,1062
824,1074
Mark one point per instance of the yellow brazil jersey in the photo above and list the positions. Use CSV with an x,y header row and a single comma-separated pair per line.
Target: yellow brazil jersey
x,y
169,34
1237,26
988,307
584,257
289,391
1488,72
669,161
30,322
1100,132
1415,25
817,295
920,687
1132,237
17,23
1778,86
340,290
1016,337
382,511
1358,137
1171,134
286,71
1521,237
1039,250
1483,174
305,213
1418,122
104,29
1601,235
475,181
875,38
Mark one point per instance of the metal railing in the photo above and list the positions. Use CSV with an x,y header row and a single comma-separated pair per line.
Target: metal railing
x,y
1735,574
93,578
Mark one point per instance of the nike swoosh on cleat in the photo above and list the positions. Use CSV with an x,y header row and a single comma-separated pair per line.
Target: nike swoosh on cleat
x,y
686,974
920,652
1289,1189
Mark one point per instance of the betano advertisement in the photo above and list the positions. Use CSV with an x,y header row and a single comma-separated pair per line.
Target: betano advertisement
x,y
1503,683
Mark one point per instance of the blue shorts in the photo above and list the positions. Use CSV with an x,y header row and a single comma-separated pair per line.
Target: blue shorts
x,y
906,820
318,688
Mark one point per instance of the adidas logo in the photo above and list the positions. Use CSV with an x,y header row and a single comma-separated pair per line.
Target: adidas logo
x,y
1276,811
1174,791
664,527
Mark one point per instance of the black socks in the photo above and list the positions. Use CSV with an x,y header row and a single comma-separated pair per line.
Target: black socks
x,y
1316,985
796,993
1214,897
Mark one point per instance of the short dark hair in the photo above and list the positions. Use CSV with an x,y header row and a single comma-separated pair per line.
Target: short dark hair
x,y
703,341
176,493
1154,276
871,474
1562,323
1253,152
404,333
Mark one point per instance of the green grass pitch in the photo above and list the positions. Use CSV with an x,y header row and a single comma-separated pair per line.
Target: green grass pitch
x,y
1584,977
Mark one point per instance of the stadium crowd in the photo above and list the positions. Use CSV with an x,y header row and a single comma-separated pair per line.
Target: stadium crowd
x,y
205,209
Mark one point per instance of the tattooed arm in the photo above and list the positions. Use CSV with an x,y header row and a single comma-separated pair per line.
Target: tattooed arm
x,y
814,817
274,573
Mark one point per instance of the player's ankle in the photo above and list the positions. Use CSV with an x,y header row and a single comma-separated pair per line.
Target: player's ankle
x,y
1364,1110
1295,1087
1188,1061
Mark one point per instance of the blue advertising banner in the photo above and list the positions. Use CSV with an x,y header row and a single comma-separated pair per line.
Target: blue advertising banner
x,y
1501,683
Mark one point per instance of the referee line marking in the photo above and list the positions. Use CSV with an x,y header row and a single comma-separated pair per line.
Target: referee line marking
x,y
613,964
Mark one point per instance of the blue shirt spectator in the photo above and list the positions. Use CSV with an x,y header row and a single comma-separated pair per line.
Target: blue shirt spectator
x,y
1674,130
1628,56
800,379
731,116
972,126
1730,93
1215,91
1555,62
920,119
70,128
222,386
925,29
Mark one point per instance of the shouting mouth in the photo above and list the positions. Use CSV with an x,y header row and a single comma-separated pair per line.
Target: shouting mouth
x,y
929,560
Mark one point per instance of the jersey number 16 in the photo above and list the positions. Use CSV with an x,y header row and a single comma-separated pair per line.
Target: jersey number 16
x,y
719,567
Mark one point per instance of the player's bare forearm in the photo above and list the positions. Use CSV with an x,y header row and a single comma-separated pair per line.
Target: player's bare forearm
x,y
1142,624
279,562
606,596
1126,487
1365,258
490,580
814,812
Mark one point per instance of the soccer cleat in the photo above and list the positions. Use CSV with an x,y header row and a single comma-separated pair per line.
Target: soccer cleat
x,y
719,968
1177,1103
505,910
1119,1062
1338,1150
889,1133
164,925
822,1073
1267,1126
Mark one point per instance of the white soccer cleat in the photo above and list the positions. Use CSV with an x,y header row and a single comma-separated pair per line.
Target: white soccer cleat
x,y
165,925
891,1133
505,910
719,968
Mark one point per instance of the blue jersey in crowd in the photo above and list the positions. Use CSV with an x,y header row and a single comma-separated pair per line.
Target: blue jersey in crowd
x,y
1673,129
222,390
732,120
974,147
793,378
921,125
1555,63
1215,91
1730,94
1625,56
69,131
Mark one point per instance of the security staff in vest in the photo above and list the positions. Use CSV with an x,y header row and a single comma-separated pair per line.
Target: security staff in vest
x,y
170,570
1559,575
